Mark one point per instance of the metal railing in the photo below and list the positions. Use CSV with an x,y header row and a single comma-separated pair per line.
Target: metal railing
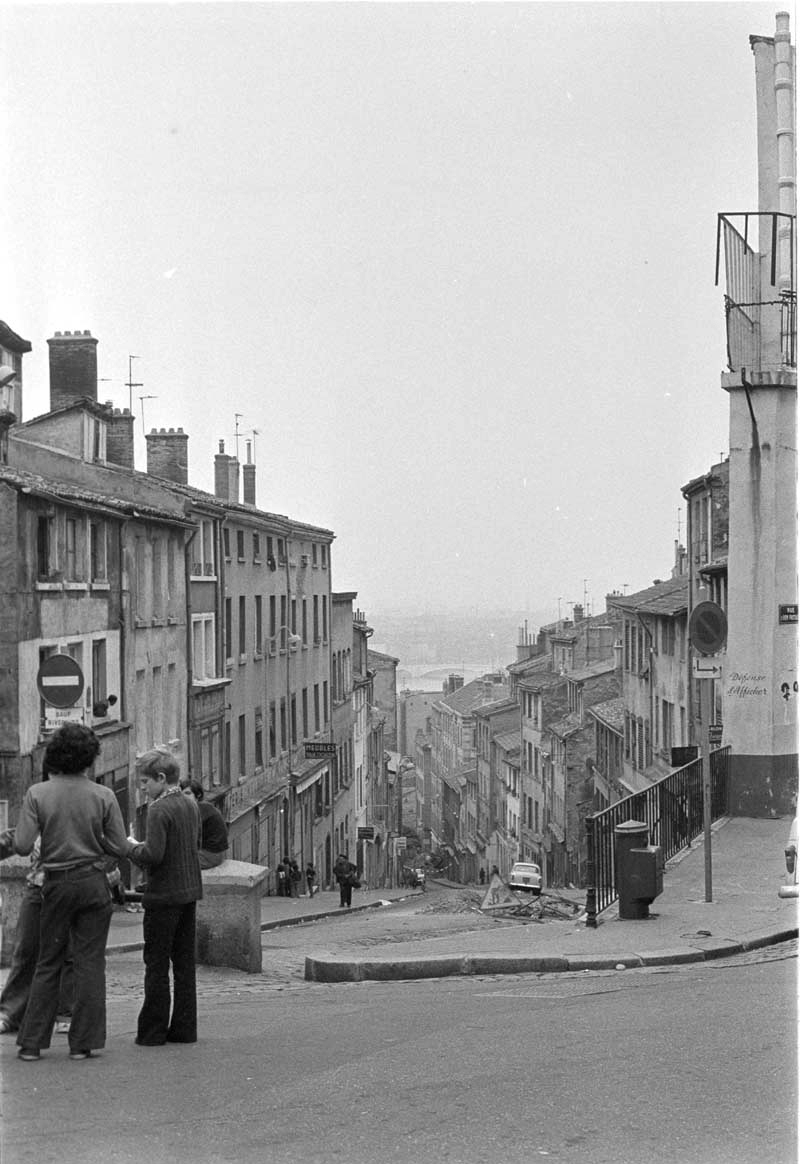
x,y
672,809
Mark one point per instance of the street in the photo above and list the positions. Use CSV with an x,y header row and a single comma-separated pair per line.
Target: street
x,y
693,1064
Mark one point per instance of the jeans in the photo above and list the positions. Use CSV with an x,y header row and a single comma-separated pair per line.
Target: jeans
x,y
25,955
169,937
75,918
345,893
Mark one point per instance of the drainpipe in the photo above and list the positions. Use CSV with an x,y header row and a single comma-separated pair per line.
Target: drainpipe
x,y
187,571
784,108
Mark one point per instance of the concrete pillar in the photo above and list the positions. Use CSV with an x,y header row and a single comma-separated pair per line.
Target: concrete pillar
x,y
229,916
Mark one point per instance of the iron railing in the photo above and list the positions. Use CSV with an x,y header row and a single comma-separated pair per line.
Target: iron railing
x,y
672,809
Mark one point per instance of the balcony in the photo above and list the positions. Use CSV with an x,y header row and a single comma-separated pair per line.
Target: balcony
x,y
760,298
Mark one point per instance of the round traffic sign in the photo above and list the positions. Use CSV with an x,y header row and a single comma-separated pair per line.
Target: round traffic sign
x,y
708,627
60,681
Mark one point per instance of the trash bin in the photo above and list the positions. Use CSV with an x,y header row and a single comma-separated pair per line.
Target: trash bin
x,y
638,870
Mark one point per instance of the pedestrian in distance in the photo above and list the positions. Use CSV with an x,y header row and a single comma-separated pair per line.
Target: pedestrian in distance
x,y
311,879
295,877
482,876
170,854
280,872
345,873
80,825
214,831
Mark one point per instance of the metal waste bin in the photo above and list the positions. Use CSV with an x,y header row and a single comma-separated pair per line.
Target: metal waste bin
x,y
638,870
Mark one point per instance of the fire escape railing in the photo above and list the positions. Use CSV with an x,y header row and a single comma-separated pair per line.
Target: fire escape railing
x,y
749,317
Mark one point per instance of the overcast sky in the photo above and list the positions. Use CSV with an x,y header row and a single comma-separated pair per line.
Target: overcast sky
x,y
455,263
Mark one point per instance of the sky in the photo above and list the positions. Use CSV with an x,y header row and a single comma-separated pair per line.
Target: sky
x,y
453,265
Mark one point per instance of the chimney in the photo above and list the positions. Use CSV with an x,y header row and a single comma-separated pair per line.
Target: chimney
x,y
119,437
577,612
249,480
226,475
168,454
73,368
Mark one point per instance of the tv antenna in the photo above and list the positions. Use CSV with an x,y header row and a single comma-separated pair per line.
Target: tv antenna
x,y
131,384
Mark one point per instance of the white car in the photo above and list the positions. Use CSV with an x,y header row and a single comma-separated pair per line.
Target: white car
x,y
527,876
790,887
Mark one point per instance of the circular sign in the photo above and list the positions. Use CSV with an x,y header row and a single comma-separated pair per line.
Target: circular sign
x,y
708,627
60,681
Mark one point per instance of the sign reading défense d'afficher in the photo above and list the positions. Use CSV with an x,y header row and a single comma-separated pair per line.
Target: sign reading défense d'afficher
x,y
319,748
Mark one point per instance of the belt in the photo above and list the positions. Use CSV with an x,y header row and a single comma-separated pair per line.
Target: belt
x,y
73,871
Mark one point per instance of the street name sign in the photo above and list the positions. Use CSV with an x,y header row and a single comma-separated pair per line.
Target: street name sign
x,y
60,681
715,734
366,832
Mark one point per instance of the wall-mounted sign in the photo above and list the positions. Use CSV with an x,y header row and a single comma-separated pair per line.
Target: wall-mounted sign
x,y
319,748
787,613
60,681
708,627
366,832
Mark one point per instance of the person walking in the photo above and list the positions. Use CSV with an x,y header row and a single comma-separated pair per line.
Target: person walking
x,y
214,831
170,856
345,873
311,879
80,826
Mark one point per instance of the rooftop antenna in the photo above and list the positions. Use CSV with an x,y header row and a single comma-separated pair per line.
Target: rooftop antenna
x,y
253,432
237,416
585,597
142,400
679,525
131,384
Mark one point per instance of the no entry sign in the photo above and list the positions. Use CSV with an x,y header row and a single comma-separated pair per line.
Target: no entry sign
x,y
60,681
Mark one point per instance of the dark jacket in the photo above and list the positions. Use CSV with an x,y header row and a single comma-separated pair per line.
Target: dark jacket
x,y
170,852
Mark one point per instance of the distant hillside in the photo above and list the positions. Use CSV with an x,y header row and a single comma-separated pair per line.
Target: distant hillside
x,y
443,636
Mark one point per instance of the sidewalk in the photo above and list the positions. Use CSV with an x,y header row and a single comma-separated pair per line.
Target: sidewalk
x,y
745,912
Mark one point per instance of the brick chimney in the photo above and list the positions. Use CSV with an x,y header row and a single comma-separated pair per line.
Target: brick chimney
x,y
168,454
73,368
119,437
226,475
249,480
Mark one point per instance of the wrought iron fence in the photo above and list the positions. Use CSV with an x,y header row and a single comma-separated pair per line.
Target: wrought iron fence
x,y
672,809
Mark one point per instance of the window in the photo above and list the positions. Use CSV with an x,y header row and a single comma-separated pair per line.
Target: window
x,y
668,636
283,622
281,551
667,715
99,676
273,744
240,544
71,549
141,581
226,542
204,662
256,547
313,553
242,745
98,551
305,712
316,618
325,617
293,719
259,740
273,623
270,553
44,547
242,624
293,623
229,629
158,587
324,552
284,737
259,643
316,707
325,701
304,623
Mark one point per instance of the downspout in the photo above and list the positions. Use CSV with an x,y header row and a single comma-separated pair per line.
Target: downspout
x,y
784,131
189,645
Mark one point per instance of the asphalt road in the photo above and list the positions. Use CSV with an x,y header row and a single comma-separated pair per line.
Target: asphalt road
x,y
687,1065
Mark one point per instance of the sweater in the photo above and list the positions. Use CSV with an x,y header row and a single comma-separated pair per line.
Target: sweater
x,y
170,851
79,821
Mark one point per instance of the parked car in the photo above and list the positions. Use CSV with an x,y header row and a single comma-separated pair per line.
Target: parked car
x,y
790,887
527,876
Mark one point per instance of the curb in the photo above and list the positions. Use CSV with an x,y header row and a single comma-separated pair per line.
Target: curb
x,y
132,947
339,970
